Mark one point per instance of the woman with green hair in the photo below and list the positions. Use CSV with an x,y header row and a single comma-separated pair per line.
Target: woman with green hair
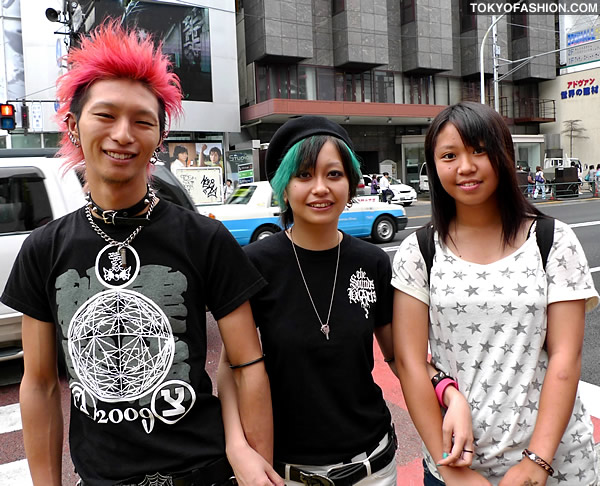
x,y
328,294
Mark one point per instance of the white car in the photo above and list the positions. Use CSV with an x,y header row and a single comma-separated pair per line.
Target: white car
x,y
403,193
252,213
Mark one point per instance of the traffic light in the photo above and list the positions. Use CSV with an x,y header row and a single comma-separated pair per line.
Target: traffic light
x,y
25,117
7,117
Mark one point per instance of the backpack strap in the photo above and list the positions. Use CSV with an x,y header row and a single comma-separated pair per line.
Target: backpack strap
x,y
426,245
544,234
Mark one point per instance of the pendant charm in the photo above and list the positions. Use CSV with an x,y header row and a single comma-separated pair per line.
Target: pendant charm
x,y
325,330
112,268
123,253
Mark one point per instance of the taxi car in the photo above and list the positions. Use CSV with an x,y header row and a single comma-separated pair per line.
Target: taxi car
x,y
252,213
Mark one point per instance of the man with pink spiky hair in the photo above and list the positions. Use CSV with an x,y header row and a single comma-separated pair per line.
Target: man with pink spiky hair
x,y
102,291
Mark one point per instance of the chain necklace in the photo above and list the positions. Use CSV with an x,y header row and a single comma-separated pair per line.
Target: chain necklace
x,y
324,326
124,244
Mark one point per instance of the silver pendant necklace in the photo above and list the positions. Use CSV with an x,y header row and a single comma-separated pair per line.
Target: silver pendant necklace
x,y
111,266
324,326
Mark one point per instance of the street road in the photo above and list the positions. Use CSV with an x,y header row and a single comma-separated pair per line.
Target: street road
x,y
582,214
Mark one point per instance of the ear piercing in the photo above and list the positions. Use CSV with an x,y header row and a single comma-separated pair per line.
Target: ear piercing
x,y
154,156
74,140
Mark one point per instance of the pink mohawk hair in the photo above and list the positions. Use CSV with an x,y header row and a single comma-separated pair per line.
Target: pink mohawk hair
x,y
112,52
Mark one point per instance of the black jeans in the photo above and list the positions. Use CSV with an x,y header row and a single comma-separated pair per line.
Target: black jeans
x,y
429,479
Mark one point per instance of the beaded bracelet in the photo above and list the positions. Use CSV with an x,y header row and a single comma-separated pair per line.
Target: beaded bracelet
x,y
254,361
539,461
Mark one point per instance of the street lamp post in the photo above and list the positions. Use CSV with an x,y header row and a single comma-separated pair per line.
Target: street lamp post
x,y
495,20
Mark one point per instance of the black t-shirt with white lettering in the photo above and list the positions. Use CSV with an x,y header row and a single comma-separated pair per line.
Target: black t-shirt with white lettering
x,y
326,405
134,337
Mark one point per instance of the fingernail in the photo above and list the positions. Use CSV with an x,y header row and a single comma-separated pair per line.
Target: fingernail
x,y
444,455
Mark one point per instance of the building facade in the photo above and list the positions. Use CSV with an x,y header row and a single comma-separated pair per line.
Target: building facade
x,y
577,92
198,36
384,69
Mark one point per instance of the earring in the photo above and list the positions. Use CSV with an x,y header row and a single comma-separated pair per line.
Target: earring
x,y
74,140
154,156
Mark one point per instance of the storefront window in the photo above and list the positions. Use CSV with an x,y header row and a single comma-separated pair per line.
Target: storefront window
x,y
528,154
384,86
51,139
414,157
32,140
307,86
325,84
261,83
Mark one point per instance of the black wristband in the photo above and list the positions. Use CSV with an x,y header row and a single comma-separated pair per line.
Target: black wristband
x,y
532,456
439,377
254,361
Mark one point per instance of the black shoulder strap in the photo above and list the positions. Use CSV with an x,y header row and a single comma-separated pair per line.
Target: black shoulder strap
x,y
426,245
544,234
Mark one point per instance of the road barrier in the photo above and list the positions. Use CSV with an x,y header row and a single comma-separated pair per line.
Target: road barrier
x,y
556,190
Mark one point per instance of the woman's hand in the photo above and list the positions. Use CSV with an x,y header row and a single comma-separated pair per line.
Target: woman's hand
x,y
457,430
251,469
526,473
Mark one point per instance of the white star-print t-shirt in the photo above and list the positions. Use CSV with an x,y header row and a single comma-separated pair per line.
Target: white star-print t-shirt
x,y
488,326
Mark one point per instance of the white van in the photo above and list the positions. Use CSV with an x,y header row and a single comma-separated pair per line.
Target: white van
x,y
423,179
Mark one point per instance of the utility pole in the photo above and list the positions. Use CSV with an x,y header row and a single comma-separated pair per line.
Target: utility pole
x,y
495,20
496,55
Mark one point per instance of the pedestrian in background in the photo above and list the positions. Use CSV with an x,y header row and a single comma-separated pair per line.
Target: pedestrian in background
x,y
374,185
119,289
530,182
508,328
386,193
540,183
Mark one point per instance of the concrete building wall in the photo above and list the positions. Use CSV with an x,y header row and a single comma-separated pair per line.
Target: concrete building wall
x,y
540,38
278,28
360,34
428,45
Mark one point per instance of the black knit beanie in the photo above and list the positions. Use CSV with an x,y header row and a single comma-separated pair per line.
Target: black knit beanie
x,y
298,129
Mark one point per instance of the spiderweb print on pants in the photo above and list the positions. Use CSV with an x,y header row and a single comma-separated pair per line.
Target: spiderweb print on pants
x,y
121,345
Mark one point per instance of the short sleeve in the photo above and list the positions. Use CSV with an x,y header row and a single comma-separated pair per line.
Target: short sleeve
x,y
232,277
25,289
567,271
409,272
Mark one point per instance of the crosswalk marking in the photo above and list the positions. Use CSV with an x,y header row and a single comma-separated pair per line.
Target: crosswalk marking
x,y
10,418
15,474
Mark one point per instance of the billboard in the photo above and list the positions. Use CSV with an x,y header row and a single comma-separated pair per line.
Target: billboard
x,y
581,32
184,31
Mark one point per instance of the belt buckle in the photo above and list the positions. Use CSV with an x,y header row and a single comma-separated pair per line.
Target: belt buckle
x,y
310,479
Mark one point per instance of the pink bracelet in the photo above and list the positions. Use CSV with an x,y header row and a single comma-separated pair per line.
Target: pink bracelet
x,y
441,387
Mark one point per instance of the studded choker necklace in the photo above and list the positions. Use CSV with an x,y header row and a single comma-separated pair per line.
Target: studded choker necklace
x,y
122,217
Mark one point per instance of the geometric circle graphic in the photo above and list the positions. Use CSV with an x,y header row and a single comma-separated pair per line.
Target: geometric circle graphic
x,y
121,345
